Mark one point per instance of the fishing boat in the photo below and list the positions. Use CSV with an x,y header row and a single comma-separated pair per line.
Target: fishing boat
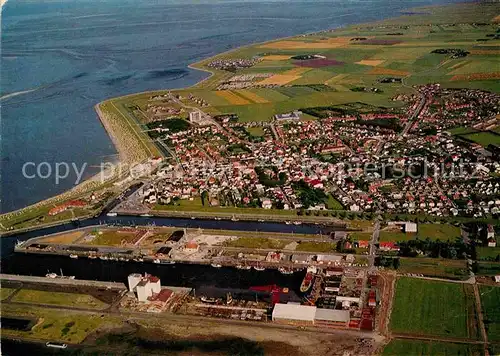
x,y
307,282
56,345
112,214
216,265
285,270
208,300
73,256
259,268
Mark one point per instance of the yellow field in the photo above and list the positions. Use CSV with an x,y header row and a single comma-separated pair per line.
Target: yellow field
x,y
232,98
371,62
335,42
387,71
476,76
276,57
279,79
296,71
63,238
252,96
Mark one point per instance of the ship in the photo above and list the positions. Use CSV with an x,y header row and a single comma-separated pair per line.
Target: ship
x,y
259,268
112,214
55,275
56,345
307,282
73,256
104,258
285,270
208,300
216,265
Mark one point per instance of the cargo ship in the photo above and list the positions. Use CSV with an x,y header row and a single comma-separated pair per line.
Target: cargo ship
x,y
308,279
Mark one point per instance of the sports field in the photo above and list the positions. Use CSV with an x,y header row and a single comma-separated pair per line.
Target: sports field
x,y
399,347
425,307
490,302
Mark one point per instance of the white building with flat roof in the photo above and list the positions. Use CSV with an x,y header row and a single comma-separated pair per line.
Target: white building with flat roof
x,y
294,313
332,318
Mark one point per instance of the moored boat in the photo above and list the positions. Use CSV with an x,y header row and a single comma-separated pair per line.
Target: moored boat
x,y
216,265
73,256
307,282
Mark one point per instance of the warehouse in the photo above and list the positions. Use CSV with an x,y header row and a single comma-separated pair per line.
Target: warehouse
x,y
295,314
331,318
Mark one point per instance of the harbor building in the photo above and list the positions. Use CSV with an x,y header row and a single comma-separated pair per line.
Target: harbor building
x,y
305,315
145,286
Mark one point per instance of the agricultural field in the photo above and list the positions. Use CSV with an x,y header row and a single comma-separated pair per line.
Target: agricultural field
x,y
441,232
488,253
434,267
490,299
6,292
429,348
256,242
424,307
58,298
316,247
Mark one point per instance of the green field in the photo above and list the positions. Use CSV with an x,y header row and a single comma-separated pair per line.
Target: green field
x,y
6,292
442,232
434,267
490,302
58,298
316,247
398,347
257,242
487,253
395,236
484,138
427,307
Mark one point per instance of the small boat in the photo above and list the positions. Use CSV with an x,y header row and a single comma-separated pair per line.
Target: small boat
x,y
259,268
234,218
92,257
193,218
243,267
73,256
51,275
307,282
122,259
297,222
56,345
208,300
104,258
156,260
146,215
218,219
261,220
139,259
216,265
285,270
112,214
288,222
167,262
113,259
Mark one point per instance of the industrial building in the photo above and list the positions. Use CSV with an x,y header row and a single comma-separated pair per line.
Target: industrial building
x,y
144,287
306,315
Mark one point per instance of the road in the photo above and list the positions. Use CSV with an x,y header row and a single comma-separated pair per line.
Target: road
x,y
373,248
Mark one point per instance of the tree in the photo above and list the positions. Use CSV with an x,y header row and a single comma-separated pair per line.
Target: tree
x,y
395,263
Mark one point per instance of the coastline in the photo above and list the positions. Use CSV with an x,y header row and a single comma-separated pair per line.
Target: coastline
x,y
123,157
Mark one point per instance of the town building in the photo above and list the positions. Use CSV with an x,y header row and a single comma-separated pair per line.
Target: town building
x,y
295,314
331,318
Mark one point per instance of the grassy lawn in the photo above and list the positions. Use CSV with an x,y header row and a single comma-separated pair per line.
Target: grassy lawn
x,y
112,238
256,131
333,204
487,253
490,299
58,298
434,267
488,268
484,138
316,247
395,236
442,232
64,326
361,236
5,292
257,242
461,130
399,347
66,238
430,308
365,225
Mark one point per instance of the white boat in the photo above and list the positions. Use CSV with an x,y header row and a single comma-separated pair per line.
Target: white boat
x,y
234,218
259,268
104,258
92,257
56,345
288,222
156,260
193,218
297,222
51,275
139,259
111,214
167,262
284,270
261,220
218,219
73,256
208,300
243,267
216,265
146,215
